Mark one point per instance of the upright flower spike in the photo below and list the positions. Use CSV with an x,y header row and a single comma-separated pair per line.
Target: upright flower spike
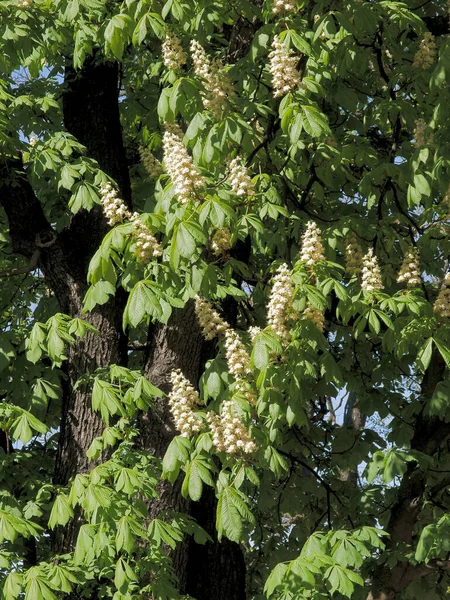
x,y
229,433
179,165
280,309
371,274
253,332
410,270
174,56
426,53
221,241
209,319
218,87
113,207
316,316
442,304
151,164
283,68
237,356
283,6
240,181
182,400
147,246
353,255
312,250
420,137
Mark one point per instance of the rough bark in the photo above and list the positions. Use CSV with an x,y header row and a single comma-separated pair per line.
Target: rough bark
x,y
354,418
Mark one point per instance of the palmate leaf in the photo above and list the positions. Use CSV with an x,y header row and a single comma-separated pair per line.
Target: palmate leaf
x,y
61,511
231,512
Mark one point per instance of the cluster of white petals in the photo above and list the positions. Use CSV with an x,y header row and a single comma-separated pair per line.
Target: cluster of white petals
x,y
283,68
353,255
147,246
32,141
174,56
24,3
237,356
410,270
221,241
113,207
279,308
229,433
312,250
253,332
218,87
150,162
371,274
426,53
280,6
442,304
179,165
240,180
209,319
316,316
182,400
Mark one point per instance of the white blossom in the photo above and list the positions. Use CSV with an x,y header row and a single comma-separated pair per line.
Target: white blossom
x,y
218,87
240,181
442,304
312,250
174,56
316,316
209,319
371,274
421,138
410,270
353,255
221,241
279,308
426,53
182,400
24,3
151,164
283,68
179,165
254,331
147,246
280,6
237,356
229,433
113,207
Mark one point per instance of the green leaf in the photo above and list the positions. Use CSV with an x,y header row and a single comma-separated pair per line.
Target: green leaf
x,y
61,511
314,121
275,579
231,511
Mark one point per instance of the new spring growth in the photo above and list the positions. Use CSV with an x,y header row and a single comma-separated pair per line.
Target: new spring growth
x,y
174,57
410,270
283,68
183,398
217,85
312,250
229,433
240,181
442,304
426,53
280,6
353,255
150,163
179,165
279,308
221,241
371,274
316,316
210,321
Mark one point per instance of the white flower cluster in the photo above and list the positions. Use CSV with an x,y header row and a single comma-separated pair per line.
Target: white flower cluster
x,y
218,87
279,308
312,250
229,433
410,270
32,141
426,54
237,356
420,137
371,274
316,316
113,207
221,241
353,255
253,332
240,181
147,245
283,68
182,400
179,165
280,6
24,3
209,319
151,164
442,304
174,57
